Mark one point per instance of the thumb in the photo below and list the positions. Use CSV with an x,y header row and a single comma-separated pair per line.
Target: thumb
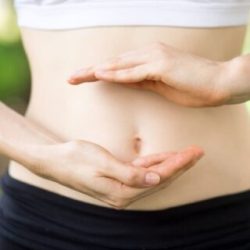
x,y
130,175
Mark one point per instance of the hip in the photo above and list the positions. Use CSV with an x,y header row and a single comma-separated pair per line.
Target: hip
x,y
37,219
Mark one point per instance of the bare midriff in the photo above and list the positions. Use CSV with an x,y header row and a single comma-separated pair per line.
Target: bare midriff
x,y
130,122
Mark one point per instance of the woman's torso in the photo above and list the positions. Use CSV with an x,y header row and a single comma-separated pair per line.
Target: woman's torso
x,y
113,115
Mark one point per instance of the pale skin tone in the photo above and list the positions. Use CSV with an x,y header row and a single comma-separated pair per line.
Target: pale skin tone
x,y
50,157
78,141
172,74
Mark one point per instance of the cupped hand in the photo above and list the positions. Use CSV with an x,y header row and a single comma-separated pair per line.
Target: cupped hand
x,y
180,77
93,170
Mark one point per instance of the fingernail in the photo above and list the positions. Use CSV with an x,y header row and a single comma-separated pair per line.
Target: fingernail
x,y
70,80
152,178
200,156
199,153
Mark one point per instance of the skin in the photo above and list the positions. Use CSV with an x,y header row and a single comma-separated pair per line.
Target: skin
x,y
171,73
97,173
107,120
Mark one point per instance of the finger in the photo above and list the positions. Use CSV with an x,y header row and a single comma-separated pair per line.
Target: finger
x,y
129,59
106,185
178,162
135,74
148,160
123,62
126,60
111,192
116,194
83,75
129,175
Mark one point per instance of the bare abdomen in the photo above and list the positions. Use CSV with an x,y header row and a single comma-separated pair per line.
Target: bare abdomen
x,y
130,122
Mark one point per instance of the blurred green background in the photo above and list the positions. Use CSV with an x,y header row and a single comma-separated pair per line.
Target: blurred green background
x,y
14,68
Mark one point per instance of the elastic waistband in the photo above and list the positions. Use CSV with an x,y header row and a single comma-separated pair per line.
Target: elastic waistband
x,y
41,214
181,13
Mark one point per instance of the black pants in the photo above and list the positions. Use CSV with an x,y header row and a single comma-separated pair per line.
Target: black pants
x,y
35,219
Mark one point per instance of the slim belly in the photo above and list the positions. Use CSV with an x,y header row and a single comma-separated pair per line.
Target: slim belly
x,y
130,122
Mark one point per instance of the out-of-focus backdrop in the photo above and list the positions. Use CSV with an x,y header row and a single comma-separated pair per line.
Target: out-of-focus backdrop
x,y
14,68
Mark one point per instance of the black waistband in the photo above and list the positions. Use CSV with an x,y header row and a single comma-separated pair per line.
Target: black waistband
x,y
50,221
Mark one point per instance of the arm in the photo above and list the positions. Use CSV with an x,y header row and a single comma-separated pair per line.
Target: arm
x,y
180,77
31,145
18,134
87,167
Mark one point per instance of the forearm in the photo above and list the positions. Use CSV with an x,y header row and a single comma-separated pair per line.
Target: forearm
x,y
235,77
18,134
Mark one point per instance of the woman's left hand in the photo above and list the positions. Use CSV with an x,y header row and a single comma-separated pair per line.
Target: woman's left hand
x,y
180,77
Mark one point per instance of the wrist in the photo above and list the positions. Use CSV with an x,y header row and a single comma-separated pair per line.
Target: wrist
x,y
29,154
18,152
235,79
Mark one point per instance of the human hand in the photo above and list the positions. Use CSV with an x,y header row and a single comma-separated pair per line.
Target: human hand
x,y
92,170
180,77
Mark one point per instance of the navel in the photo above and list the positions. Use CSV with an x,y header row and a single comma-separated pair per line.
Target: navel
x,y
137,144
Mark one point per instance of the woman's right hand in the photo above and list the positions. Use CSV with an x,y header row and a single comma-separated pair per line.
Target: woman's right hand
x,y
93,170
